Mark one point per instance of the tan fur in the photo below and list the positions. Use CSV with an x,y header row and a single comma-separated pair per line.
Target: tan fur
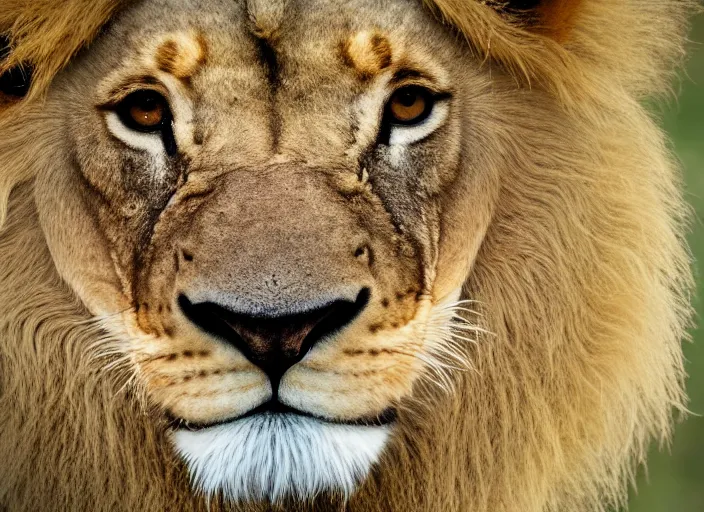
x,y
582,277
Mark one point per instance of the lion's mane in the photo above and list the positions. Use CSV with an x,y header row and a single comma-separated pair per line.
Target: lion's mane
x,y
583,280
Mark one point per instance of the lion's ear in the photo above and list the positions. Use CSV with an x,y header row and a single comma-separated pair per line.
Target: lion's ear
x,y
574,47
39,38
552,18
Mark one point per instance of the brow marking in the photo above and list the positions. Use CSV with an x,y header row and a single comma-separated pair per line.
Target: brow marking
x,y
368,53
182,55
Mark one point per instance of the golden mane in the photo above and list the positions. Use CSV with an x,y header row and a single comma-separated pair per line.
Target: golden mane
x,y
583,279
48,34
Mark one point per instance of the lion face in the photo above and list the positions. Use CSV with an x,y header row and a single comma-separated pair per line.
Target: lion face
x,y
260,202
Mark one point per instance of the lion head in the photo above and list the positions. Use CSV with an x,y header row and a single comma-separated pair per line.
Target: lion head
x,y
404,256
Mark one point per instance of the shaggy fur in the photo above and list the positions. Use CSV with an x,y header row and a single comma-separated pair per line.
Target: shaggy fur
x,y
582,278
48,34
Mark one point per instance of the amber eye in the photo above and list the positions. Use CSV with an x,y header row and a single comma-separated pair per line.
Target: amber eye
x,y
144,111
410,105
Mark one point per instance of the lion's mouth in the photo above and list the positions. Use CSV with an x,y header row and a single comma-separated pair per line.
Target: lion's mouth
x,y
275,407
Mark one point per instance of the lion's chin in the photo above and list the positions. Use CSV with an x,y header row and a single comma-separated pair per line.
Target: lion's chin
x,y
268,456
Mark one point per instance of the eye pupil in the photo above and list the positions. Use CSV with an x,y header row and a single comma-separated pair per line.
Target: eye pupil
x,y
407,99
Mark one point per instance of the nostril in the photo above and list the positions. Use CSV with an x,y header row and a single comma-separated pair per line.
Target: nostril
x,y
339,314
187,256
274,343
364,254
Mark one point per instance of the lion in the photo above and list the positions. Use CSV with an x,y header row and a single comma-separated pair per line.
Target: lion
x,y
337,255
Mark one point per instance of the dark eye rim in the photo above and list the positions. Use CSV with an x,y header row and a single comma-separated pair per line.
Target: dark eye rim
x,y
123,108
430,97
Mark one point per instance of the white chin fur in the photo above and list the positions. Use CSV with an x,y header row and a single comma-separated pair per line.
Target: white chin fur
x,y
267,457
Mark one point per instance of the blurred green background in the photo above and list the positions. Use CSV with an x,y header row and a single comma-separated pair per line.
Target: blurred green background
x,y
675,478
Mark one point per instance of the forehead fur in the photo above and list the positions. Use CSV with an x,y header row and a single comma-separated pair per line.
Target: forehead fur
x,y
266,17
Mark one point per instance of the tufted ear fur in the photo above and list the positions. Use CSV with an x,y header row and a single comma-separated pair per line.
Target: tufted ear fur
x,y
552,18
43,36
575,47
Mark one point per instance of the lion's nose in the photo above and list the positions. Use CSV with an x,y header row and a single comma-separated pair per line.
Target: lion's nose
x,y
274,343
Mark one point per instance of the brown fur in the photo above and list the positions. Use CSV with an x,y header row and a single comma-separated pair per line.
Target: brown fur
x,y
583,278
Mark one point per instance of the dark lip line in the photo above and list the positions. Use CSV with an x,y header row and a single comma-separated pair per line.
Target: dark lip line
x,y
386,417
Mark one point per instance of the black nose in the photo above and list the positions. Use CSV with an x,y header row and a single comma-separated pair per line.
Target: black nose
x,y
274,343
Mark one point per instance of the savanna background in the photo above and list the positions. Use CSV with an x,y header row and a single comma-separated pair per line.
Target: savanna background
x,y
674,481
